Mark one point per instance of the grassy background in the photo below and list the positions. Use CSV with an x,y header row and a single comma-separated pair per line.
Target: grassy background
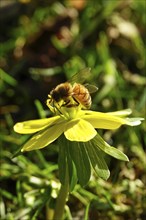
x,y
42,44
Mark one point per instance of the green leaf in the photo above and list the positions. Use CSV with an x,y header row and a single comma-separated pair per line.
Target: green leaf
x,y
79,156
72,176
62,160
97,205
45,71
66,163
40,203
71,170
17,153
7,78
97,160
108,149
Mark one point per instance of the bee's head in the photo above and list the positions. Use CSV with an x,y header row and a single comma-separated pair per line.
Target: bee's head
x,y
55,95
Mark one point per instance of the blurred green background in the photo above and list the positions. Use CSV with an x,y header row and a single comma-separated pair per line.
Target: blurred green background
x,y
43,43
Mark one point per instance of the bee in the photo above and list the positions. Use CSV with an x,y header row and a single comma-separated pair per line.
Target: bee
x,y
82,95
61,94
70,94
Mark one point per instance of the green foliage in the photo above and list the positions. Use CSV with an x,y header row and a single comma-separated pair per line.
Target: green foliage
x,y
42,45
112,151
97,160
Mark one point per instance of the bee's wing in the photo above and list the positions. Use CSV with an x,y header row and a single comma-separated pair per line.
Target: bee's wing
x,y
91,88
81,76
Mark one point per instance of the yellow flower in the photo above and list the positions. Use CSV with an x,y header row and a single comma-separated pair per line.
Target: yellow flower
x,y
76,124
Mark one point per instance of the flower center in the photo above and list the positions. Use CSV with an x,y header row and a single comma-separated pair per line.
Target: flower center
x,y
72,112
68,109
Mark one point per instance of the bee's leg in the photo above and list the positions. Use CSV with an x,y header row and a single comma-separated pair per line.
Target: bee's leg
x,y
57,108
66,103
50,104
77,103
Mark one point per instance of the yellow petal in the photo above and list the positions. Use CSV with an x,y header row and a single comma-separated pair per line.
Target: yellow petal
x,y
32,126
134,121
121,113
81,130
44,138
105,120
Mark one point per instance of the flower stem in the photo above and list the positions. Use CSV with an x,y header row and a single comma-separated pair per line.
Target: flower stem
x,y
61,200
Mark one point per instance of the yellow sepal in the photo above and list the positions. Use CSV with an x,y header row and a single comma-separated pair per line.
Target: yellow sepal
x,y
44,138
32,126
109,120
79,131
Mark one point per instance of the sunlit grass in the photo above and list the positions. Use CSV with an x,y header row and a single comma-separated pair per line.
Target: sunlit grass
x,y
61,40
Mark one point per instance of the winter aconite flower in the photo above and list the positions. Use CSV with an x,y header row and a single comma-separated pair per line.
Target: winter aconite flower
x,y
76,129
76,124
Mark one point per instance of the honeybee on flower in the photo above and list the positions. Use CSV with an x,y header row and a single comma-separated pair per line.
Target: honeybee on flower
x,y
70,102
72,94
